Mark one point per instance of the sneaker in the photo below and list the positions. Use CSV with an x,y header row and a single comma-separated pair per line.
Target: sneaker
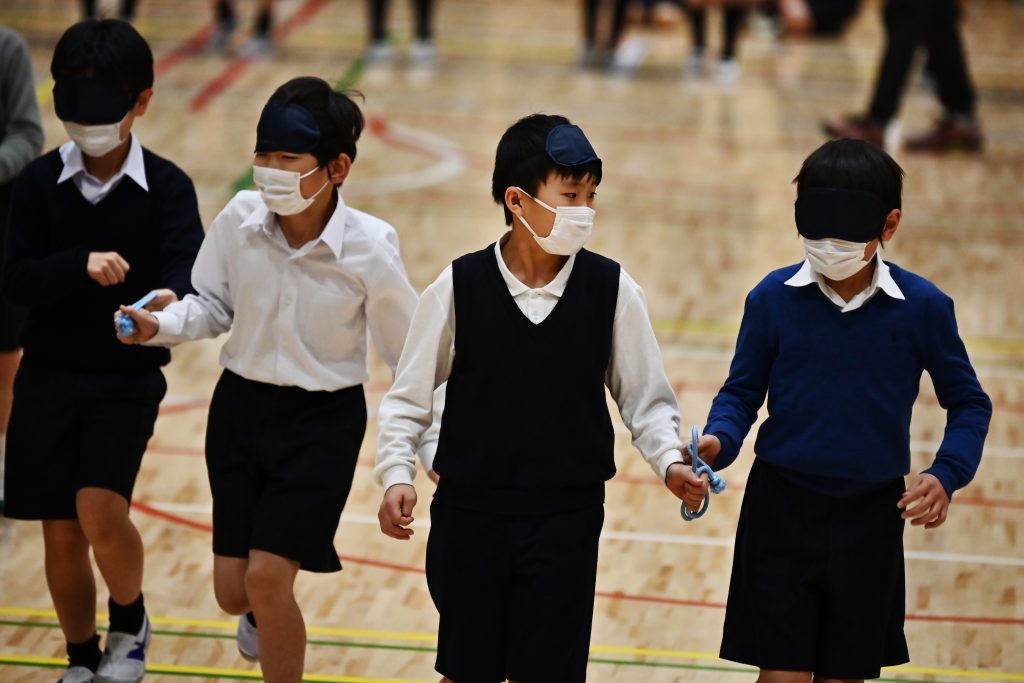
x,y
727,72
248,640
379,51
952,134
693,67
630,55
221,37
77,674
256,47
124,658
422,52
856,128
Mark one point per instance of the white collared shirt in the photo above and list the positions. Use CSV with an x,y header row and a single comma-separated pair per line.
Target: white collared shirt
x,y
880,281
636,376
298,317
92,188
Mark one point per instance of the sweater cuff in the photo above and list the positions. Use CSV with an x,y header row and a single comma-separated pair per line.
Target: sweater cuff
x,y
399,474
662,462
945,477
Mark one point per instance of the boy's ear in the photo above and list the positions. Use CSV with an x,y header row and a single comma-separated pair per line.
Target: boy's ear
x,y
892,222
338,168
514,200
142,102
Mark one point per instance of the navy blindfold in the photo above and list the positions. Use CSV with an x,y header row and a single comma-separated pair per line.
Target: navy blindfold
x,y
286,128
568,146
90,101
849,215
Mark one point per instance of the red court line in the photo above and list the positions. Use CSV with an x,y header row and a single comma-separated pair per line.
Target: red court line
x,y
191,46
176,519
238,65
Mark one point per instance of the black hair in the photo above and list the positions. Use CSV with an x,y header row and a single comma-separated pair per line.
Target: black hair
x,y
108,50
337,116
522,160
853,165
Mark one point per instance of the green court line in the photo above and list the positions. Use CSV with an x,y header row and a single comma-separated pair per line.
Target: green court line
x,y
404,648
347,80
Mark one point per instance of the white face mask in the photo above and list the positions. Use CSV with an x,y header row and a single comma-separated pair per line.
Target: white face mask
x,y
571,230
835,259
281,190
95,141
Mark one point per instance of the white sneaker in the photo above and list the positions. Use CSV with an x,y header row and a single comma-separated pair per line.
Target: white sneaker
x,y
248,640
378,52
124,658
727,72
257,47
77,674
630,55
422,52
694,64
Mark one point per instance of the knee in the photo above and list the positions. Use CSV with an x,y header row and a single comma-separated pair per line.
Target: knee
x,y
102,515
267,582
231,597
64,538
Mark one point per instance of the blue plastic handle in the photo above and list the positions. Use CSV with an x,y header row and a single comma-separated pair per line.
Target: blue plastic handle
x,y
715,483
125,325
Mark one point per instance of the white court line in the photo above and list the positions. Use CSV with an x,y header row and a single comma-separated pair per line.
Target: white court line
x,y
451,162
639,537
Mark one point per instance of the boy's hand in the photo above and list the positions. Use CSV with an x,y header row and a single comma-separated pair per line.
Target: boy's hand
x,y
708,448
107,268
931,500
395,512
163,299
686,486
146,324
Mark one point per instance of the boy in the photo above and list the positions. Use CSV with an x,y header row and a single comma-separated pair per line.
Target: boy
x,y
527,332
838,343
301,280
97,222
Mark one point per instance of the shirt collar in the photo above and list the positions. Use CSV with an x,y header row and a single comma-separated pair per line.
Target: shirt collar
x,y
555,288
134,166
882,279
333,234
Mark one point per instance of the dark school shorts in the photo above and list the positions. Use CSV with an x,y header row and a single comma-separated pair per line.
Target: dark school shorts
x,y
281,462
817,581
515,593
73,429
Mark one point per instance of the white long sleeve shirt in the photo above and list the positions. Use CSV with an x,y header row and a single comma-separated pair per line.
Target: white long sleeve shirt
x,y
635,377
298,317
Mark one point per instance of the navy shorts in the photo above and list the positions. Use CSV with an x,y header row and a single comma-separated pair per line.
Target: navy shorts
x,y
817,580
515,593
73,429
281,462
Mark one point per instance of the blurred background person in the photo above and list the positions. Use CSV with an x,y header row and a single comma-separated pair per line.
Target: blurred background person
x,y
422,49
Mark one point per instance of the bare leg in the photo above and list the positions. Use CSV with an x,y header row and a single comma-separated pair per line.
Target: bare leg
x,y
69,577
115,542
229,583
269,583
769,676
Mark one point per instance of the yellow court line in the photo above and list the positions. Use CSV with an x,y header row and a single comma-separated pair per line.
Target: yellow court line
x,y
596,649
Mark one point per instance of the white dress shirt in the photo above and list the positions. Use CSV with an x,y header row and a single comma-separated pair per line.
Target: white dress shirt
x,y
880,281
298,317
93,189
635,377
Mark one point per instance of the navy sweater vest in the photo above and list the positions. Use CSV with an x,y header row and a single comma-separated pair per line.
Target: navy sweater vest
x,y
526,426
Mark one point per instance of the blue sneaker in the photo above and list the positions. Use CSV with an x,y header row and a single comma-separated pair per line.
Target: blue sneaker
x,y
124,658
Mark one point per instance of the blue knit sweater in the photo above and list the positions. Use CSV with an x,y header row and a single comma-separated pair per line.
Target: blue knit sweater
x,y
841,386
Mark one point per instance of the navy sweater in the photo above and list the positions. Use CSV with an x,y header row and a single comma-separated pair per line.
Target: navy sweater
x,y
841,386
53,229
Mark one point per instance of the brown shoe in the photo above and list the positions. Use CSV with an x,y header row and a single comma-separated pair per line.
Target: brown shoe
x,y
856,128
952,134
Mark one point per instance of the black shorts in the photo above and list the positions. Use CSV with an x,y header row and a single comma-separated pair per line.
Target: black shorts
x,y
12,318
817,581
281,462
72,429
515,593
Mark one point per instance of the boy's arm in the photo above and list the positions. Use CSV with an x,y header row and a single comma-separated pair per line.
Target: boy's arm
x,y
390,302
968,408
406,411
207,313
636,379
734,409
34,274
22,138
181,234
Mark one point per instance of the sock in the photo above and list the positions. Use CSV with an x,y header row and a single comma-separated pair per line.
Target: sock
x,y
85,654
251,618
126,618
263,21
